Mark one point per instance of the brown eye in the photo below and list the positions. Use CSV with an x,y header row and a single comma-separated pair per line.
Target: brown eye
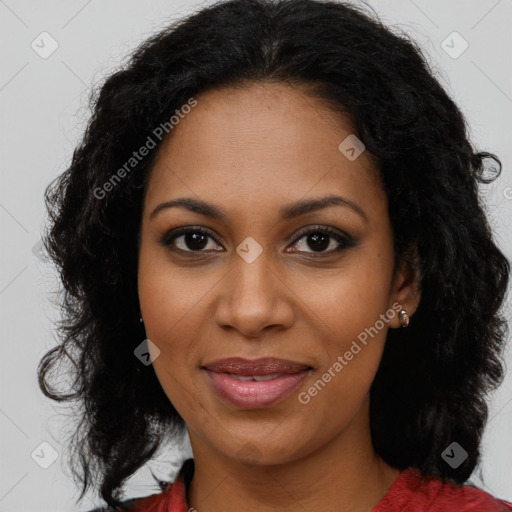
x,y
320,241
322,238
189,240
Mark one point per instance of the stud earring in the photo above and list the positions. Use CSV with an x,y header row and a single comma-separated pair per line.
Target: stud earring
x,y
140,320
404,318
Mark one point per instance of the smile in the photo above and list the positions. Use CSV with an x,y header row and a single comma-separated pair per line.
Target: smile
x,y
255,391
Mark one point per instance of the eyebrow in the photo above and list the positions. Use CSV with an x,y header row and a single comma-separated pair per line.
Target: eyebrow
x,y
287,212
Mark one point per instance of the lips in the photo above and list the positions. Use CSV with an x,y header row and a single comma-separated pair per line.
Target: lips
x,y
256,367
252,384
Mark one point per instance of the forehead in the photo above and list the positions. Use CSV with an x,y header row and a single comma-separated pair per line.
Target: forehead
x,y
263,138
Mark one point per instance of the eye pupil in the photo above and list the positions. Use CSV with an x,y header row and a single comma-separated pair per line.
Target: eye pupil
x,y
319,242
195,241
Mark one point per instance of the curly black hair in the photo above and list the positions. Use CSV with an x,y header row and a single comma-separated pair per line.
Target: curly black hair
x,y
432,384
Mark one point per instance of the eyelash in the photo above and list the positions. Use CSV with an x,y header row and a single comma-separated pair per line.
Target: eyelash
x,y
344,240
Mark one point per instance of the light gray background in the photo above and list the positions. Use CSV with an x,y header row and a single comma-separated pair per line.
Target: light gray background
x,y
44,109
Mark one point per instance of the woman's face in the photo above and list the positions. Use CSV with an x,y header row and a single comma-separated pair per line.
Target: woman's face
x,y
264,279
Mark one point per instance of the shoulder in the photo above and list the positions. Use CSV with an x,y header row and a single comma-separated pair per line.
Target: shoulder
x,y
124,505
414,492
172,497
142,504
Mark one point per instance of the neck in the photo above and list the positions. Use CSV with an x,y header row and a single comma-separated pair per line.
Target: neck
x,y
343,474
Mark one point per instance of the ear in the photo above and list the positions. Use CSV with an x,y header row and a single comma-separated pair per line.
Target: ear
x,y
406,287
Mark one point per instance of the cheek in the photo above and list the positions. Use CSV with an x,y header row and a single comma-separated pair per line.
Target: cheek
x,y
354,298
170,320
345,376
167,299
354,307
174,313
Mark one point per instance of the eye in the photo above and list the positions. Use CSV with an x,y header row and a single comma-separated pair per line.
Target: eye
x,y
191,239
197,239
321,238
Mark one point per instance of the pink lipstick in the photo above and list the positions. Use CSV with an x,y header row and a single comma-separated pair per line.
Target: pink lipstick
x,y
252,384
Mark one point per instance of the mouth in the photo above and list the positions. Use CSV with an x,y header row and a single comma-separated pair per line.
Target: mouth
x,y
253,384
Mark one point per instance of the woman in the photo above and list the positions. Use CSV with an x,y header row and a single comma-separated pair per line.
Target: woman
x,y
271,235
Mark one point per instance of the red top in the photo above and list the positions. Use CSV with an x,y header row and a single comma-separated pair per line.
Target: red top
x,y
409,493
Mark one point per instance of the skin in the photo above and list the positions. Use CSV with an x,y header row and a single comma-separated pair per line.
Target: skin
x,y
250,151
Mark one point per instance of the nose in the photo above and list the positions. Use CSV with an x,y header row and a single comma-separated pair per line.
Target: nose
x,y
254,299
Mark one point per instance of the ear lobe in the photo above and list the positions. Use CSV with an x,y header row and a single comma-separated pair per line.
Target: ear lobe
x,y
406,289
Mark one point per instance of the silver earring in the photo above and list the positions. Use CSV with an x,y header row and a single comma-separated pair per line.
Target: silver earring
x,y
404,318
140,320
